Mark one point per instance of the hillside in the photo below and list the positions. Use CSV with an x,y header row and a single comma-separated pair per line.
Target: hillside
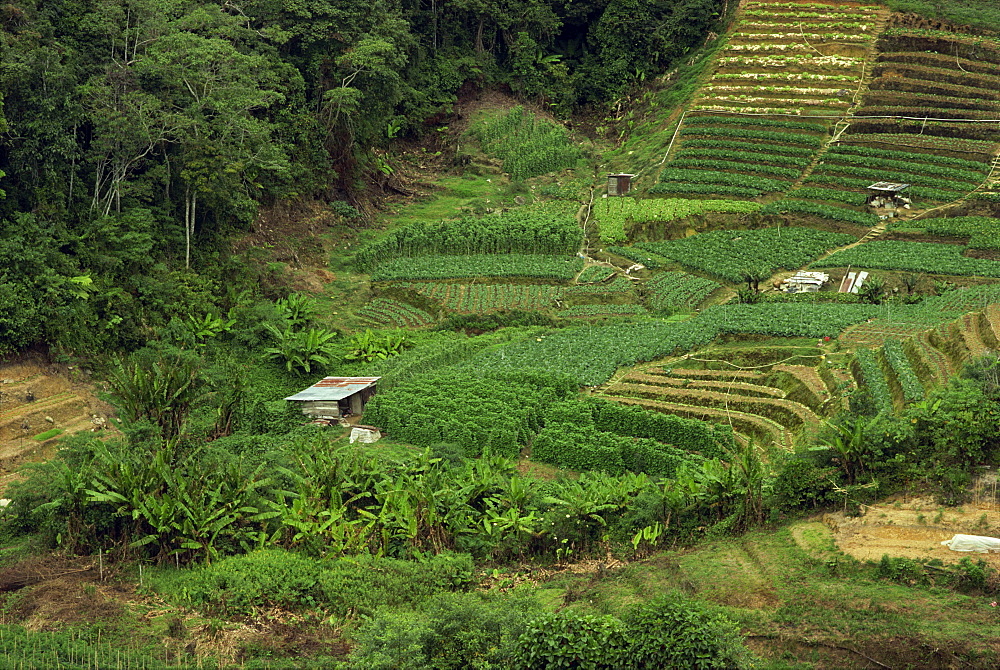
x,y
609,438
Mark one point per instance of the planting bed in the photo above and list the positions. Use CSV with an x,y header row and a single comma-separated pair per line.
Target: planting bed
x,y
394,313
476,298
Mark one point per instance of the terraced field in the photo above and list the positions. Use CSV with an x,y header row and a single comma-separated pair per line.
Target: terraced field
x,y
782,60
773,403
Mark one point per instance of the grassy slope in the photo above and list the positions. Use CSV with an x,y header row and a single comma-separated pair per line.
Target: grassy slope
x,y
797,600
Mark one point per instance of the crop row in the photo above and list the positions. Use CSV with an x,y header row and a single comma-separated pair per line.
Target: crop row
x,y
476,298
745,145
724,119
836,37
877,174
614,214
677,290
921,86
917,191
755,168
594,273
785,76
785,22
747,133
960,226
789,103
479,265
394,313
674,188
791,60
747,109
944,129
727,253
727,154
878,152
762,184
825,211
984,147
592,354
602,310
874,379
878,332
894,97
789,414
947,74
945,259
518,231
792,16
769,88
938,60
895,356
637,255
910,165
848,197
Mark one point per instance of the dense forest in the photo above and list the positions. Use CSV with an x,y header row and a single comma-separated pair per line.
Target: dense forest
x,y
139,134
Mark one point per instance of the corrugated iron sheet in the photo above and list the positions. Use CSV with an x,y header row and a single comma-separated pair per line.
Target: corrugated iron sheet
x,y
334,388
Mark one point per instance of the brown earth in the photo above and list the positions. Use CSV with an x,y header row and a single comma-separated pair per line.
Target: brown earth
x,y
37,395
915,527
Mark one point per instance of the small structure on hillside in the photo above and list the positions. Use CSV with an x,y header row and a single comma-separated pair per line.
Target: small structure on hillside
x,y
805,282
852,281
335,397
619,184
888,195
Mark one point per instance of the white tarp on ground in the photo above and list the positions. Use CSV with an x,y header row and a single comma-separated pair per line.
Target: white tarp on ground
x,y
364,435
977,543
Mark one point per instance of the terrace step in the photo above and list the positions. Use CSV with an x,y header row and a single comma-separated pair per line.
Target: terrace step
x,y
720,385
794,415
971,335
992,314
753,425
933,357
809,377
33,419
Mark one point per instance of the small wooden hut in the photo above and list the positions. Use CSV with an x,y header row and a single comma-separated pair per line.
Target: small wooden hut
x,y
619,184
335,397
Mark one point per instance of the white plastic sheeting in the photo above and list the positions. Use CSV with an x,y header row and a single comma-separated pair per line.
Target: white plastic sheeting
x,y
975,543
366,436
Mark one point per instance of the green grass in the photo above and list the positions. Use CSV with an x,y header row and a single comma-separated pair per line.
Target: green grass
x,y
52,432
454,196
800,591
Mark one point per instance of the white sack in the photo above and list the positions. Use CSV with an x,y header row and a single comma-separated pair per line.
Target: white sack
x,y
977,543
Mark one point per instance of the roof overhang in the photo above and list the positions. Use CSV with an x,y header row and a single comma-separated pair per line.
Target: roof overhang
x,y
334,388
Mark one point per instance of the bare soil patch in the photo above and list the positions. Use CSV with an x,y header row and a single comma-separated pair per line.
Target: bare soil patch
x,y
914,528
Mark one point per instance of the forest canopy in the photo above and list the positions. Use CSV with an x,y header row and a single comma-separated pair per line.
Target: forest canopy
x,y
140,132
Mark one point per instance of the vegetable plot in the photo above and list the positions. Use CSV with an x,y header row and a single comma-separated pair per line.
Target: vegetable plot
x,y
670,291
614,215
481,265
942,259
726,253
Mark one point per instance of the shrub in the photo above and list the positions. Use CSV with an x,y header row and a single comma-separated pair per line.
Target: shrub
x,y
450,631
568,640
363,583
671,632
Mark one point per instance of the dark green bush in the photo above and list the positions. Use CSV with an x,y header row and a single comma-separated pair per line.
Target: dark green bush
x,y
568,640
672,632
363,583
450,631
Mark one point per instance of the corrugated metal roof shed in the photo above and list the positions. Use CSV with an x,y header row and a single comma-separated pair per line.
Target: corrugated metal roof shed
x,y
334,388
890,186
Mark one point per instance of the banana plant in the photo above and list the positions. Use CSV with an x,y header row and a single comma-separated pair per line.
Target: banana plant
x,y
300,350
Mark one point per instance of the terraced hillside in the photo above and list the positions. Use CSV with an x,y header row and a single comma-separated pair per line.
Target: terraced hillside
x,y
782,60
774,394
921,121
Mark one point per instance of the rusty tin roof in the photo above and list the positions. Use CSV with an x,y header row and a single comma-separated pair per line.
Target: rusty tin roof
x,y
334,388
